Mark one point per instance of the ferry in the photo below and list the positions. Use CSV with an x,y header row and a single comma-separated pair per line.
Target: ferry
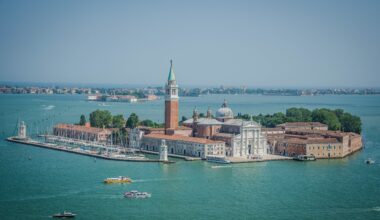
x,y
134,194
217,159
120,179
305,158
64,214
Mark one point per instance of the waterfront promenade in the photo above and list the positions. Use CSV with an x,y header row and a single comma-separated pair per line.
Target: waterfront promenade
x,y
268,157
105,157
81,152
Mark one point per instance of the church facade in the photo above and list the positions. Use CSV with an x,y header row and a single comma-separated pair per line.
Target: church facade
x,y
222,135
242,138
178,139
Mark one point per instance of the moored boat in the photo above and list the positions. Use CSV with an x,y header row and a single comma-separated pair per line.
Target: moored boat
x,y
305,158
134,194
64,214
217,159
120,179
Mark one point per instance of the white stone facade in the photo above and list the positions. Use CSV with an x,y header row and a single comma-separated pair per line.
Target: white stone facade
x,y
135,136
163,151
250,142
176,145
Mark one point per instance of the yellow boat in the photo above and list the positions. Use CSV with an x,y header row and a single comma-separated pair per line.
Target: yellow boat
x,y
120,179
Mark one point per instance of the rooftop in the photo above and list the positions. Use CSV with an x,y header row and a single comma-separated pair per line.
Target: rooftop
x,y
183,138
302,124
81,128
204,121
239,122
310,141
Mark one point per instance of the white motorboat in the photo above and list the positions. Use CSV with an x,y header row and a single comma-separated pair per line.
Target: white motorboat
x,y
369,161
64,214
217,159
305,158
134,194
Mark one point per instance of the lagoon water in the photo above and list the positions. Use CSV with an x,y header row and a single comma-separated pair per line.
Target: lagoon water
x,y
35,182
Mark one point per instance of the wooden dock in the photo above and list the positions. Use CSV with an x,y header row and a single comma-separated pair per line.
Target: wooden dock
x,y
66,149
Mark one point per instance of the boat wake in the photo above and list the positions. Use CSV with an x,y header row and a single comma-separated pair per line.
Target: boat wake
x,y
221,166
376,209
103,104
156,180
49,107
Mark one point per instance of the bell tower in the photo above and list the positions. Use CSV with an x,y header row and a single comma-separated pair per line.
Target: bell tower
x,y
171,102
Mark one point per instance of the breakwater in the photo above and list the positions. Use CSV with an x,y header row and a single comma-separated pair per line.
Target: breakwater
x,y
81,152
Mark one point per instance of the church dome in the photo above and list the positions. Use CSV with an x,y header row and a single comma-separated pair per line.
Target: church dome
x,y
224,111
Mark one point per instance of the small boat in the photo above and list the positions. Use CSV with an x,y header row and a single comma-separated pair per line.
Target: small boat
x,y
120,179
369,161
134,194
217,159
64,214
305,158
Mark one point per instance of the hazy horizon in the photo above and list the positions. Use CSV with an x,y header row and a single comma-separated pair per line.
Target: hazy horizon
x,y
262,44
185,86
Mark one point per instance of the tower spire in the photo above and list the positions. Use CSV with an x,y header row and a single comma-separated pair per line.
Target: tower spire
x,y
171,76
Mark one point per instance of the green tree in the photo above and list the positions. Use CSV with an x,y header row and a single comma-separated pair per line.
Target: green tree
x,y
298,115
243,116
339,112
328,117
184,118
148,123
351,123
118,121
275,119
133,121
101,118
82,120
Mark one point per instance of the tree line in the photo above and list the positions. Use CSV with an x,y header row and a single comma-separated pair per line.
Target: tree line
x,y
335,119
104,119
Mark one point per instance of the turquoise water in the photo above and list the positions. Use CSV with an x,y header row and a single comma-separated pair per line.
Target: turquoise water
x,y
53,181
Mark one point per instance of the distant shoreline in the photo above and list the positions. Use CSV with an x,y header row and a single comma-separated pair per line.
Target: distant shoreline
x,y
190,92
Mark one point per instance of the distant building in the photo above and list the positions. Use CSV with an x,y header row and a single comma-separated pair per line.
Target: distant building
x,y
184,145
242,138
319,143
303,126
177,138
93,97
201,137
126,98
79,132
151,97
171,102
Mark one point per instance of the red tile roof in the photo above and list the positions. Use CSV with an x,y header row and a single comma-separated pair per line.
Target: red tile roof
x,y
81,128
302,124
183,138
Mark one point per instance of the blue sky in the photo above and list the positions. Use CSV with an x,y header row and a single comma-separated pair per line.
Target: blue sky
x,y
253,43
